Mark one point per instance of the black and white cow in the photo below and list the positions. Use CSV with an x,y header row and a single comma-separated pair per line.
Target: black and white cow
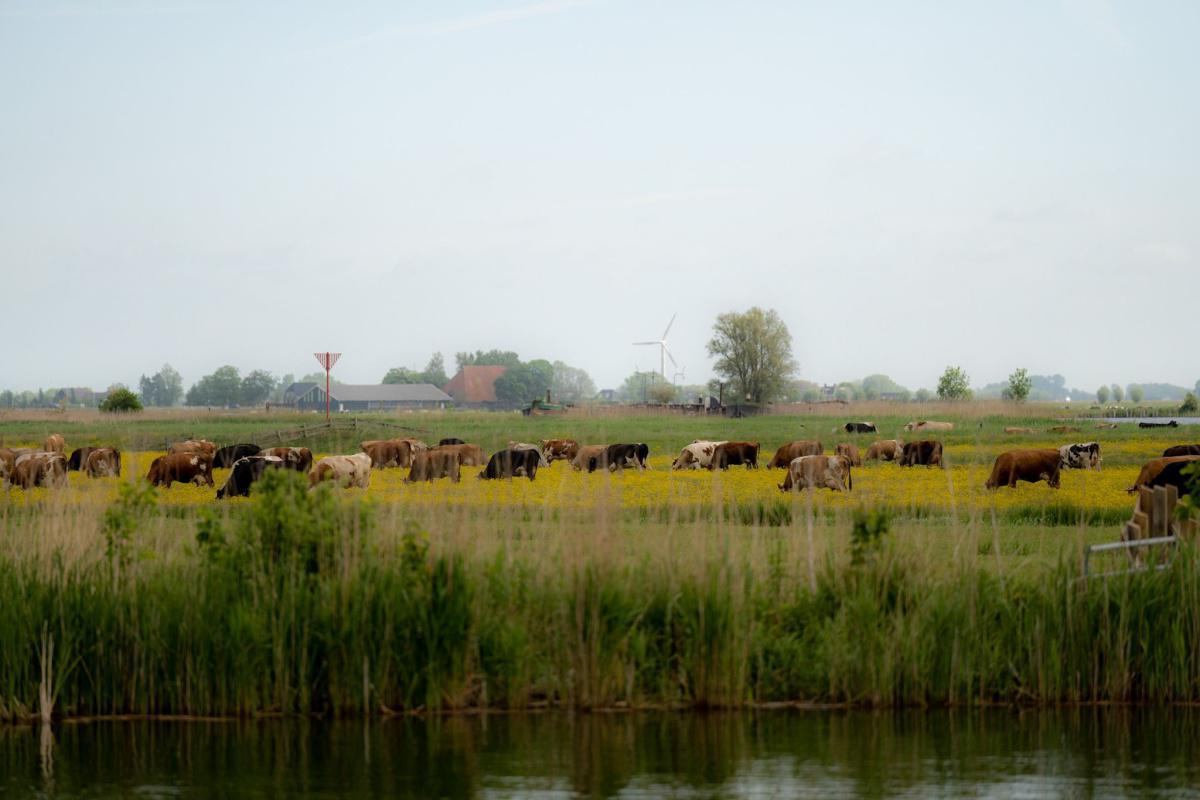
x,y
860,427
620,456
78,458
227,456
246,471
1082,455
511,463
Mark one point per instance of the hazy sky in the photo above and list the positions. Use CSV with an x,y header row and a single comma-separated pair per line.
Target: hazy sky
x,y
909,184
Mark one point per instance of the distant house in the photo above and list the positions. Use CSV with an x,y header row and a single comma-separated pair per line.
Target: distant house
x,y
475,386
607,395
75,396
349,397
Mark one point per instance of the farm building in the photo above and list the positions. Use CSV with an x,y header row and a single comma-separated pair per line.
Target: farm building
x,y
475,387
348,397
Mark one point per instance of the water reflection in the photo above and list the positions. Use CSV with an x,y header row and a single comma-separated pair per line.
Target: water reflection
x,y
1082,752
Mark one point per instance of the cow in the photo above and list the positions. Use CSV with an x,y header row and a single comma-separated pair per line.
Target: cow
x,y
1063,429
299,459
559,449
885,450
512,463
386,453
588,456
1106,426
245,471
8,460
352,470
789,452
926,452
39,468
729,454
451,440
929,425
469,455
860,427
202,446
78,458
1182,450
1043,464
850,451
1019,430
103,462
1171,424
434,463
818,472
1172,474
1153,469
537,448
697,455
228,455
620,456
1082,455
194,467
55,443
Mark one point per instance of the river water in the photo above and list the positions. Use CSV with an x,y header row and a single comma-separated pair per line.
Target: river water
x,y
1113,752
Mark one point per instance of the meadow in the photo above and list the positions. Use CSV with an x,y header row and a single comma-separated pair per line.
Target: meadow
x,y
656,588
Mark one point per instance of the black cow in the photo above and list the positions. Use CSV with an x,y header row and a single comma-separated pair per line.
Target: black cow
x,y
79,457
1171,424
508,463
619,456
246,471
228,456
860,427
1182,450
445,442
927,452
1172,475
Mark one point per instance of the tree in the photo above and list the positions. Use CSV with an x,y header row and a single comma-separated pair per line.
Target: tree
x,y
403,375
7,399
1190,404
257,387
1019,385
164,388
923,395
1102,395
637,387
121,399
954,384
571,384
502,358
221,388
281,387
524,382
1136,395
662,393
435,371
1118,394
754,353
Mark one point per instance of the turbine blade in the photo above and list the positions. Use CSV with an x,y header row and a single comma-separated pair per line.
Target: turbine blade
x,y
669,324
668,352
646,342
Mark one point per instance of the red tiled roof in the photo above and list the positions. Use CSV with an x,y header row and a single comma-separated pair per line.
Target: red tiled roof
x,y
474,384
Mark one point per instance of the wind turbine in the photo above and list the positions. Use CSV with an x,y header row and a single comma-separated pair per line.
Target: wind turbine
x,y
664,353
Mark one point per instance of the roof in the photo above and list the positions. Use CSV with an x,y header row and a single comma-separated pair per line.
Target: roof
x,y
389,393
299,389
475,384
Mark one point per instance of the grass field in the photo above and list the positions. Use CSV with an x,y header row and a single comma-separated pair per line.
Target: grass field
x,y
652,588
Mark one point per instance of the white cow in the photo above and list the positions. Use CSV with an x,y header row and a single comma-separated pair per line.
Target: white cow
x,y
697,455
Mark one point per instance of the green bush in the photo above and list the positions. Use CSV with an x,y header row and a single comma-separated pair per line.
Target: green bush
x,y
1190,404
121,400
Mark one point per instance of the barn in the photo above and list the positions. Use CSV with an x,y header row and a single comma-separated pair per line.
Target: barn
x,y
351,397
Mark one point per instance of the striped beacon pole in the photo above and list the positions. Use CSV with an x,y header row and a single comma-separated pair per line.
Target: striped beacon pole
x,y
327,360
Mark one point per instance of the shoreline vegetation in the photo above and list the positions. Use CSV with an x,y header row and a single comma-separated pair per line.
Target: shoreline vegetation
x,y
341,604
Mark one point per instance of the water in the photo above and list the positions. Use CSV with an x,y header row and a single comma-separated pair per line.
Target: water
x,y
1135,420
996,753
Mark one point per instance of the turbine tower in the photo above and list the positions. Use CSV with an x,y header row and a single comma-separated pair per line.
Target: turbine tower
x,y
663,352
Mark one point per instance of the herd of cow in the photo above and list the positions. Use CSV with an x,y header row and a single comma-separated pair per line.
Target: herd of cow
x,y
805,463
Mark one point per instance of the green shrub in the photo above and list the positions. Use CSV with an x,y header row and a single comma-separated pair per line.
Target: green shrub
x,y
121,400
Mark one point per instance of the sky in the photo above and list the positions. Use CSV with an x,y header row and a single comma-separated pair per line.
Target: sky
x,y
909,185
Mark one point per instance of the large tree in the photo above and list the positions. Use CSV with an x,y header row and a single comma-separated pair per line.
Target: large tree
x,y
1019,385
642,387
1102,395
571,384
754,354
524,382
164,388
954,384
221,388
257,387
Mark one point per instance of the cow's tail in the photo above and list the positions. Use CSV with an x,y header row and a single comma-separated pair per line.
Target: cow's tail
x,y
849,479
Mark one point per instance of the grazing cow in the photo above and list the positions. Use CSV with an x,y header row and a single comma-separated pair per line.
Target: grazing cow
x,y
451,440
202,446
78,458
1019,430
1172,474
228,455
697,455
434,463
860,427
352,470
55,443
1106,426
1083,455
386,453
1063,429
789,452
1171,424
1155,467
929,425
1031,466
559,449
818,472
469,455
588,456
299,459
8,460
850,451
194,467
245,471
927,453
1182,450
620,456
103,462
39,468
730,454
537,448
885,450
512,463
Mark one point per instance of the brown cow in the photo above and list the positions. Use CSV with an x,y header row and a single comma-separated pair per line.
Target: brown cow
x,y
556,449
587,454
1042,464
299,459
1154,466
729,454
386,453
8,460
793,450
103,462
885,450
1019,430
202,446
850,451
39,469
194,467
926,452
55,443
469,455
929,425
352,470
818,472
436,463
